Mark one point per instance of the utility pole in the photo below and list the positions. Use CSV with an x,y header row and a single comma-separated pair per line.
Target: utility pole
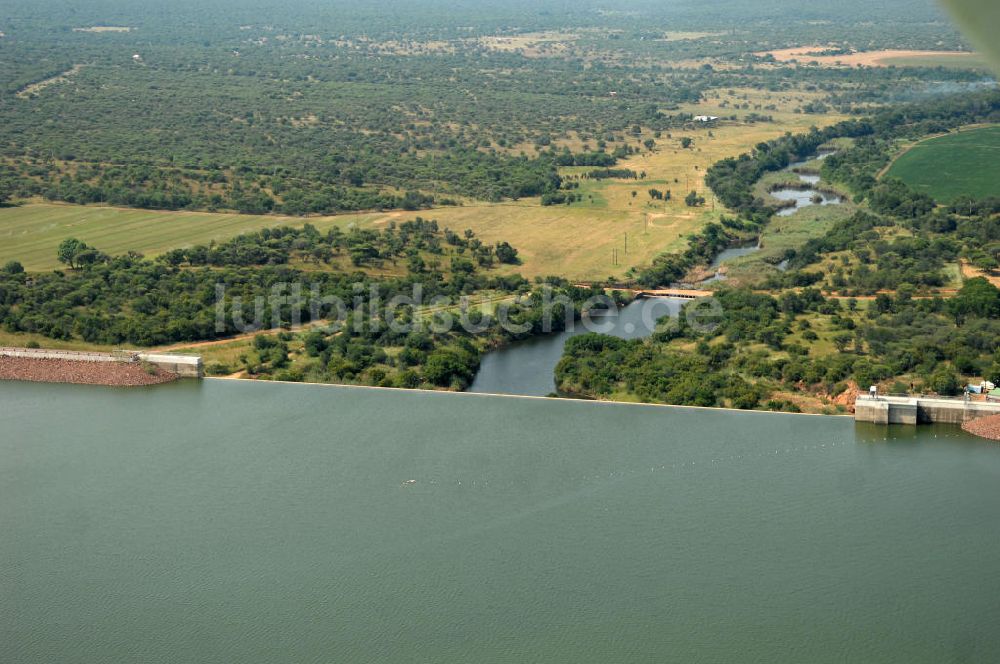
x,y
626,244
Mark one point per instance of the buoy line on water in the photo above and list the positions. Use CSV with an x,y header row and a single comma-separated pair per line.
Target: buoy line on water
x,y
664,467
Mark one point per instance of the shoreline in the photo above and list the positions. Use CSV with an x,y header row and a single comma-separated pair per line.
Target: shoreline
x,y
526,396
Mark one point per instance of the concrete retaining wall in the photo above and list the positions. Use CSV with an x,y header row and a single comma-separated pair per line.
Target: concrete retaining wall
x,y
921,410
185,366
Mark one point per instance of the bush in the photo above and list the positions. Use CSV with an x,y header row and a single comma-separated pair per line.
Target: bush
x,y
943,381
408,379
450,366
218,369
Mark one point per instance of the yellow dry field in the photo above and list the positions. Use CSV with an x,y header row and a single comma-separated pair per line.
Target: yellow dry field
x,y
781,106
972,272
578,241
575,242
688,36
882,58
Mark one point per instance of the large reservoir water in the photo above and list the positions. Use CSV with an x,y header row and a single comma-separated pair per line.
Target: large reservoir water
x,y
251,522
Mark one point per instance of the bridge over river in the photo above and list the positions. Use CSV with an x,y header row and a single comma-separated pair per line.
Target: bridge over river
x,y
680,293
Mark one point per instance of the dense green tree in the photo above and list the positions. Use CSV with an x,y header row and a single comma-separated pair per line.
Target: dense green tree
x,y
944,381
977,297
694,200
69,249
450,367
506,253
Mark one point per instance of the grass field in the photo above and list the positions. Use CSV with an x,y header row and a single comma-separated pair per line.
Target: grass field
x,y
30,233
576,241
965,163
972,61
571,241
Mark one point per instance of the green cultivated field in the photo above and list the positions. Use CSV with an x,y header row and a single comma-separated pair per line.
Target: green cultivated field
x,y
31,233
948,61
966,163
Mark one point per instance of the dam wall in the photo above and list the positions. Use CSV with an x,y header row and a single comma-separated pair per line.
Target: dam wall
x,y
72,355
921,410
183,366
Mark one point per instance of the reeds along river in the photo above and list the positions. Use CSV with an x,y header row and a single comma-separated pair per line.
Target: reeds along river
x,y
253,522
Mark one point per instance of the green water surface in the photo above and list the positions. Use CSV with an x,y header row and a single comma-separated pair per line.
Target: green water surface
x,y
252,522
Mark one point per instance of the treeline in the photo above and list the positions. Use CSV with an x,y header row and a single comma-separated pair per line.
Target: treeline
x,y
600,366
131,299
486,176
932,341
611,173
567,158
412,240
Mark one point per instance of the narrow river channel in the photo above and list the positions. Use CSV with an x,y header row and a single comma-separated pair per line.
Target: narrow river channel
x,y
527,367
805,196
